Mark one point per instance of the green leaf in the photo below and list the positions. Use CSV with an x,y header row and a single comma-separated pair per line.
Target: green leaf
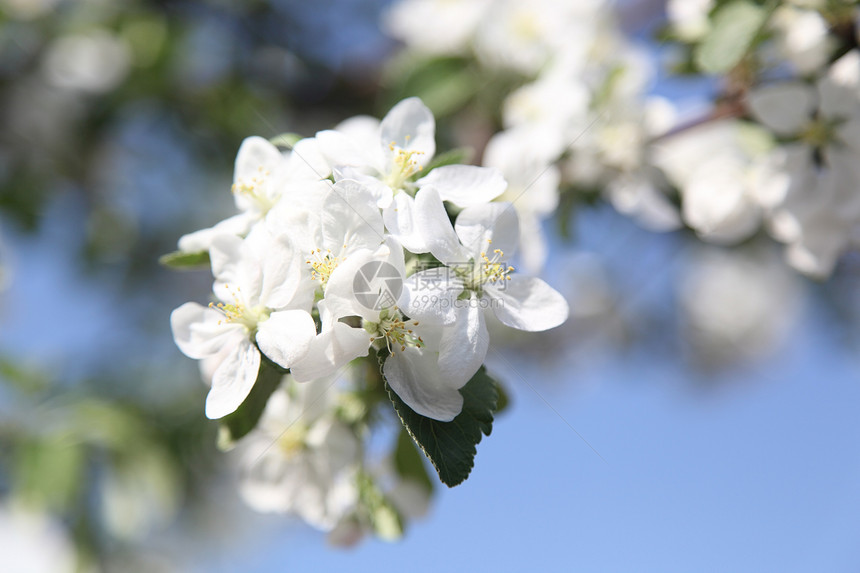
x,y
384,518
443,84
450,157
183,260
408,461
504,401
236,425
288,140
50,472
451,446
734,29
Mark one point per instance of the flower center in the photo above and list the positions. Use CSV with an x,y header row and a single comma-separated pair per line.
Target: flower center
x,y
487,270
292,441
394,330
239,313
322,265
403,167
254,189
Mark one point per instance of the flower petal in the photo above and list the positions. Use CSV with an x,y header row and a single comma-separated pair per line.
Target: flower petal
x,y
435,228
350,218
233,380
200,332
480,226
254,153
400,221
414,375
201,240
840,88
381,192
306,162
464,344
528,303
339,149
466,185
430,295
286,336
411,127
785,108
331,350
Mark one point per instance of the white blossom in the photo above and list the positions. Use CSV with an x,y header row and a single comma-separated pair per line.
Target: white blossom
x,y
263,303
821,126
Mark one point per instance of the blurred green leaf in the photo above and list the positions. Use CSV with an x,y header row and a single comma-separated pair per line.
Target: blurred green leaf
x,y
444,84
287,140
386,521
183,260
49,472
451,157
24,379
734,29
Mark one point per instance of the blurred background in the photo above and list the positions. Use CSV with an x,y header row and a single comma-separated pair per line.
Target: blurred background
x,y
697,412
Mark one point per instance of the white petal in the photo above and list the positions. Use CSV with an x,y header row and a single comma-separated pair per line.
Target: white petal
x,y
533,248
286,336
366,281
339,149
254,153
306,162
201,240
331,350
785,108
718,206
435,227
278,265
528,303
414,375
466,185
350,218
430,295
840,88
200,332
381,192
225,256
489,227
400,221
464,344
233,380
411,127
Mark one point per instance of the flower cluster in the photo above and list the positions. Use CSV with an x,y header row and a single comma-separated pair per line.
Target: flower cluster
x,y
775,149
337,244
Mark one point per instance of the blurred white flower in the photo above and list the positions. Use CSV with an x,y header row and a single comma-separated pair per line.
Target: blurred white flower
x,y
525,36
34,543
802,37
301,458
822,125
720,169
436,27
689,18
139,496
553,108
737,305
92,62
533,182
